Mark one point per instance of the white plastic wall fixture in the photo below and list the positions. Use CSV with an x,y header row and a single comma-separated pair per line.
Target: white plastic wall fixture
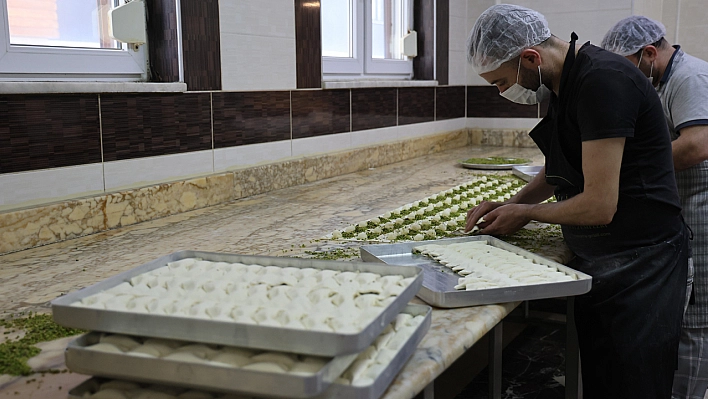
x,y
127,22
410,44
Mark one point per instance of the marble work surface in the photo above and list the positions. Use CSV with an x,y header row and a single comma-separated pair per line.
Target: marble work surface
x,y
285,222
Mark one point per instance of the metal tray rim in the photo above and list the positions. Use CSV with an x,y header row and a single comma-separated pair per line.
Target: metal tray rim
x,y
456,298
234,334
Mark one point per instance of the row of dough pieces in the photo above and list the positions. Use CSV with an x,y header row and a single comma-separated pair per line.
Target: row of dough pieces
x,y
485,266
325,300
363,371
376,233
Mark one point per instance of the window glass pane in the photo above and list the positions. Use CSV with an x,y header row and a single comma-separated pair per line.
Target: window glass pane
x,y
61,23
337,37
389,23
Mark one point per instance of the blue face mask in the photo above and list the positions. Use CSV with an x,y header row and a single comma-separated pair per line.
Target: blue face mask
x,y
521,95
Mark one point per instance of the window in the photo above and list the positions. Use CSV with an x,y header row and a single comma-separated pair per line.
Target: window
x,y
362,38
64,40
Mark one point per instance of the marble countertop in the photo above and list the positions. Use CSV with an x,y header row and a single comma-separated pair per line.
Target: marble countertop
x,y
286,222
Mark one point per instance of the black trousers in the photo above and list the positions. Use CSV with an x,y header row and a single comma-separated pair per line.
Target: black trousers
x,y
630,322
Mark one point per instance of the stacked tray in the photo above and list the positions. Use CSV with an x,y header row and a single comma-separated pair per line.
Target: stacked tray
x,y
340,348
164,375
439,281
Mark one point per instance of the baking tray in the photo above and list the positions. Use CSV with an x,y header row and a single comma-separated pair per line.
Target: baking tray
x,y
439,281
202,376
488,166
335,390
381,383
279,339
526,173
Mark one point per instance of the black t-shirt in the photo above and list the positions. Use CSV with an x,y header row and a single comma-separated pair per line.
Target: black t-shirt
x,y
602,95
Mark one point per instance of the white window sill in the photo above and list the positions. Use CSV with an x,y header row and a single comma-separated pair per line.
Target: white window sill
x,y
90,87
348,84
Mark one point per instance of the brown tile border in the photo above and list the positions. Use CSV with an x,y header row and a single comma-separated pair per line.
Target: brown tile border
x,y
201,44
416,105
320,112
40,131
242,118
373,108
308,45
46,224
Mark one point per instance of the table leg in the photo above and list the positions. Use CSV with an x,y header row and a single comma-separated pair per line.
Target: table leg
x,y
495,361
573,387
429,391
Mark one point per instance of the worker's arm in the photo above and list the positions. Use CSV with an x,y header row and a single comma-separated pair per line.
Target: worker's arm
x,y
596,205
536,191
691,147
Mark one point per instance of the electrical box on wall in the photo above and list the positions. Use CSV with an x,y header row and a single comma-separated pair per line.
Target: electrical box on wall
x,y
410,44
127,22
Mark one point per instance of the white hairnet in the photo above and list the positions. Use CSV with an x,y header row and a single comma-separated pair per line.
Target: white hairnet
x,y
631,35
501,33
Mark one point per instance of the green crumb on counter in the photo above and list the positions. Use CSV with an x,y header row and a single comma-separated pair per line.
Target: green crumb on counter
x,y
496,161
334,254
534,240
38,328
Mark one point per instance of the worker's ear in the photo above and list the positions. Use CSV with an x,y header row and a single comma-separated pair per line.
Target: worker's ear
x,y
530,58
650,53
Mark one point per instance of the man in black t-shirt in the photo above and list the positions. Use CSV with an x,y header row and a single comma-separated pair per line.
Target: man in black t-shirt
x,y
608,162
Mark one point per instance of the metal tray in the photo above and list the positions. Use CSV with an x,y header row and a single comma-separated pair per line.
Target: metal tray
x,y
199,375
379,386
439,281
491,166
231,333
335,390
526,173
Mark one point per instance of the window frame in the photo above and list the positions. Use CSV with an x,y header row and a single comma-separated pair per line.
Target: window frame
x,y
40,63
363,66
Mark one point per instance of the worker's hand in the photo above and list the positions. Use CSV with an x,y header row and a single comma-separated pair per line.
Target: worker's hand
x,y
476,213
506,219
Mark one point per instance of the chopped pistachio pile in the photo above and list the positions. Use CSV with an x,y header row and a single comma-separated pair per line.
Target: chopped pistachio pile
x,y
37,328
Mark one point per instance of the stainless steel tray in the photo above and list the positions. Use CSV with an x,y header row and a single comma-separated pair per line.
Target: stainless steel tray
x,y
210,377
491,166
375,390
335,390
526,173
439,281
232,333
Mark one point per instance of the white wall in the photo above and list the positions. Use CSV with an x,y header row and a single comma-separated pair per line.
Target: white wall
x,y
257,44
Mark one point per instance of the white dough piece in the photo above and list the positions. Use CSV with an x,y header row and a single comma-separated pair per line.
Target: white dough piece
x,y
185,357
195,395
105,347
268,367
151,394
231,359
124,342
110,393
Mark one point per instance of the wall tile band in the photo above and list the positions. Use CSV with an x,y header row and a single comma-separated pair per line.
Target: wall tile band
x,y
242,118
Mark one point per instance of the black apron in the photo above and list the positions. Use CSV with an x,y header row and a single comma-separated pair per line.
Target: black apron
x,y
629,323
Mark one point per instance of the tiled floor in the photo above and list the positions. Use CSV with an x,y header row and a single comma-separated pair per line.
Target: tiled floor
x,y
533,364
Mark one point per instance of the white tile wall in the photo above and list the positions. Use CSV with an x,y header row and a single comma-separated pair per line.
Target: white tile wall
x,y
427,128
257,62
693,27
589,25
501,123
50,184
151,170
321,144
458,33
257,44
241,156
272,18
374,136
458,68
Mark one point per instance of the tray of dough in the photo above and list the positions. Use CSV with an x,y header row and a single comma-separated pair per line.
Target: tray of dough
x,y
305,306
367,377
480,270
201,366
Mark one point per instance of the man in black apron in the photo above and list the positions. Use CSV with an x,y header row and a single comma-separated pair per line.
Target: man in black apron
x,y
608,162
